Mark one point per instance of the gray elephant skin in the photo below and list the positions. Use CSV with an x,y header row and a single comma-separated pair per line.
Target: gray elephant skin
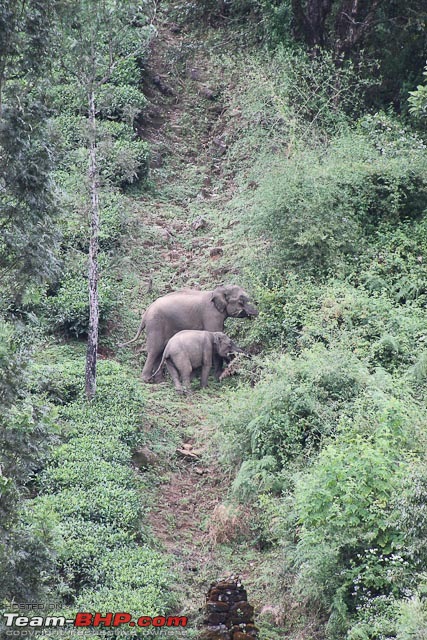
x,y
188,309
188,350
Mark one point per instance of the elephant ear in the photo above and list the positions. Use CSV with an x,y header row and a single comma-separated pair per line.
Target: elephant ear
x,y
219,299
216,339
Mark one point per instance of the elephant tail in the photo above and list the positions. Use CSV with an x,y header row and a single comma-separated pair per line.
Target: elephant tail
x,y
138,333
160,366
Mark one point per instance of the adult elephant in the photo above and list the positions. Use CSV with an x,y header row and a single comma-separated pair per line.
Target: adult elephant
x,y
188,309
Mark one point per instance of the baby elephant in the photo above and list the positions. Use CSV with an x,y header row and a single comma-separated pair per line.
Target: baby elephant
x,y
187,350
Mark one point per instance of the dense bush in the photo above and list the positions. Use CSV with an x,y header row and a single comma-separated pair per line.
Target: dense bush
x,y
123,161
67,310
321,206
94,499
283,302
359,535
289,412
27,433
123,102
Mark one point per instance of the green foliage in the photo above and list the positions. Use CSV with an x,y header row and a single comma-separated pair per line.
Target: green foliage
x,y
391,34
127,161
26,435
93,496
126,73
130,579
284,301
67,310
114,208
418,99
348,552
369,325
343,498
412,616
100,47
27,205
67,99
289,412
321,206
122,102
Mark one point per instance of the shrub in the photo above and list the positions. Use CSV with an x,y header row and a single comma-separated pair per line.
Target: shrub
x,y
412,616
123,161
283,302
348,552
124,102
67,310
321,206
67,98
368,324
297,404
126,72
94,497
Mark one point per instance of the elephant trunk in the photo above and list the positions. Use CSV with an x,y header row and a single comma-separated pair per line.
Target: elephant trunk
x,y
251,311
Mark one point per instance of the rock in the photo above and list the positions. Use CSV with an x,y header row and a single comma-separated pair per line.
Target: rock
x,y
220,272
197,242
219,146
251,630
214,593
194,74
217,607
224,597
216,252
199,223
216,618
143,457
166,235
226,585
163,86
156,160
219,632
208,93
241,612
227,601
185,453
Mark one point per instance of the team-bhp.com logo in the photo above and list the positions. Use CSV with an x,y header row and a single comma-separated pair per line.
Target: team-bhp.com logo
x,y
86,619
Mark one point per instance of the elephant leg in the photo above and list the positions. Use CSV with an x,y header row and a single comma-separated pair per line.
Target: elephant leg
x,y
153,357
173,372
186,370
205,375
218,362
159,376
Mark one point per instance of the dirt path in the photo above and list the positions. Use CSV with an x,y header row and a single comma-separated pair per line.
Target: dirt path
x,y
183,126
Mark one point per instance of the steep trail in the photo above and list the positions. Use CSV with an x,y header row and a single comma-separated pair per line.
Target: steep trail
x,y
184,128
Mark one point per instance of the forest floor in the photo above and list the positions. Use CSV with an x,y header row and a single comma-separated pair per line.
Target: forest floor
x,y
193,247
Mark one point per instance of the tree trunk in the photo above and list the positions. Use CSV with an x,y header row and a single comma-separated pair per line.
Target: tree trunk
x,y
353,20
310,21
92,340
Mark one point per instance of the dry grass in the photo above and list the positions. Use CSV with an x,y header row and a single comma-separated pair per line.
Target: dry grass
x,y
228,523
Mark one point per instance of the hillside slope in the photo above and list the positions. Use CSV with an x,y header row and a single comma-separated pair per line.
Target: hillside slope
x,y
195,244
